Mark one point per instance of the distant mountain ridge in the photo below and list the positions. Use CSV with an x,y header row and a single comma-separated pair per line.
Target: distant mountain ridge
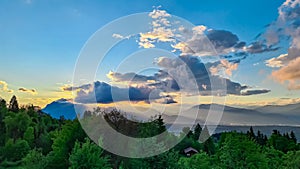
x,y
243,116
290,109
265,115
224,107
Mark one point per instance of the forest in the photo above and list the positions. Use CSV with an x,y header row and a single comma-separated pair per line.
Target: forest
x,y
32,139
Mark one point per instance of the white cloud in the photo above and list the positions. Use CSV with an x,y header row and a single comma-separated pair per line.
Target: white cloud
x,y
119,36
4,87
287,26
157,13
199,29
160,34
279,61
146,44
224,66
290,74
160,30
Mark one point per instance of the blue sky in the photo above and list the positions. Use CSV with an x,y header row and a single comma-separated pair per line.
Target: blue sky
x,y
41,40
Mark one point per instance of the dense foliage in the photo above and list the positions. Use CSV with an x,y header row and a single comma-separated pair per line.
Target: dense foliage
x,y
32,139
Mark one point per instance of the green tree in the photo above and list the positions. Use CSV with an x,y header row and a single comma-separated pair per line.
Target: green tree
x,y
197,132
197,161
166,160
134,163
34,160
29,136
152,128
209,146
63,143
13,104
261,139
44,142
293,137
16,124
204,134
187,132
292,160
14,151
2,103
3,113
239,151
251,133
274,157
160,124
88,155
280,142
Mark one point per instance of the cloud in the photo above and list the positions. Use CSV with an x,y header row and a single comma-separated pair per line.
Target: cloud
x,y
185,74
280,61
271,36
157,13
289,10
209,42
224,65
71,88
106,93
198,40
222,39
254,92
129,77
284,59
203,42
168,100
260,47
177,74
161,31
286,27
290,74
159,34
4,87
30,91
119,36
160,80
200,72
167,85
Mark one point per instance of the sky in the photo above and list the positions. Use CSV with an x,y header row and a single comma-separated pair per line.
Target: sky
x,y
40,42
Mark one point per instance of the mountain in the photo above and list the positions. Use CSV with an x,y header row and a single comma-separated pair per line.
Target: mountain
x,y
266,118
238,119
243,116
62,107
267,115
290,109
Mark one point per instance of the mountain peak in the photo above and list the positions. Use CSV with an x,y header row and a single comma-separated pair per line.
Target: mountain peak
x,y
63,107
